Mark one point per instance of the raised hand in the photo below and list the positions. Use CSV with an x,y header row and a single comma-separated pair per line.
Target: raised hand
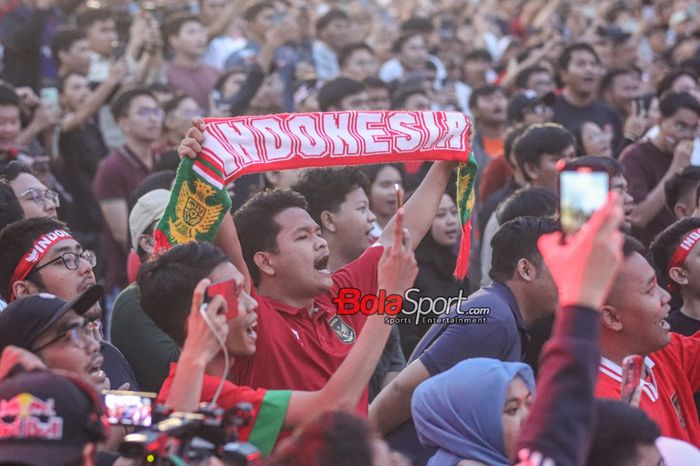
x,y
191,146
584,267
200,341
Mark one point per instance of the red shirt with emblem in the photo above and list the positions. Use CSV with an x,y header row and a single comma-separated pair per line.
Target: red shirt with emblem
x,y
296,351
667,392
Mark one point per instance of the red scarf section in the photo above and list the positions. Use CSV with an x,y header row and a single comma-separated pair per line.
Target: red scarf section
x,y
234,147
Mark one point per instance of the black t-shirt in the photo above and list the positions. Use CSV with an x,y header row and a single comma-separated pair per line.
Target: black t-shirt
x,y
117,369
81,150
599,112
681,323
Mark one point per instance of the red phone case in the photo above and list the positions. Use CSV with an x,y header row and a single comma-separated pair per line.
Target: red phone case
x,y
229,290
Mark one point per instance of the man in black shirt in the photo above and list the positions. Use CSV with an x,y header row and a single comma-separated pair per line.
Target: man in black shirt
x,y
579,68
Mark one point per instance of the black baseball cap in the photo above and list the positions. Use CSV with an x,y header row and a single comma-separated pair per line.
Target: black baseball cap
x,y
524,100
47,418
24,320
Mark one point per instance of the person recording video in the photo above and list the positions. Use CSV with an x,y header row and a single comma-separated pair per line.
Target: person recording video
x,y
167,289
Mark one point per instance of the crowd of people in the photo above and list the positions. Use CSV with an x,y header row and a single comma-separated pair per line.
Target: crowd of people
x,y
100,101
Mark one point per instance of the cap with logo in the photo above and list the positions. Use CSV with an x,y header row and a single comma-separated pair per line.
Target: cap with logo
x,y
47,418
24,320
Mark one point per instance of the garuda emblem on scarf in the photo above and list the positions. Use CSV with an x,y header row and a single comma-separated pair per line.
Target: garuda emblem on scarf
x,y
194,215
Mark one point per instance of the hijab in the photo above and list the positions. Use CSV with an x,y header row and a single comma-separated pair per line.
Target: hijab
x,y
459,411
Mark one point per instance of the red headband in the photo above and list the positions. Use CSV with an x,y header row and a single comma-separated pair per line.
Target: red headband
x,y
41,246
682,251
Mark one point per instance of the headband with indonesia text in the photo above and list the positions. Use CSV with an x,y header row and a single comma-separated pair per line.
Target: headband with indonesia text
x,y
681,254
253,144
31,258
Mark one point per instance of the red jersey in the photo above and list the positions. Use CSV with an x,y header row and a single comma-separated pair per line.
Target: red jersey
x,y
298,351
270,406
673,376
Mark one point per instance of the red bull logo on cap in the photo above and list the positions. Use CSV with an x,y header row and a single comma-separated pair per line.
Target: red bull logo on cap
x,y
26,416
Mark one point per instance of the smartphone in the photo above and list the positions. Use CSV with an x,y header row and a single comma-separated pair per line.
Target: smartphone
x,y
398,191
643,102
229,290
582,191
631,376
695,156
49,97
129,408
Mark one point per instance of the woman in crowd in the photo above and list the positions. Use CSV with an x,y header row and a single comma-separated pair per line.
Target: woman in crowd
x,y
382,200
473,412
436,256
591,139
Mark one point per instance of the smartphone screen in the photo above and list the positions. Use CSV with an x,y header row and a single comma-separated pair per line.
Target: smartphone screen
x,y
631,376
129,408
582,191
49,97
229,290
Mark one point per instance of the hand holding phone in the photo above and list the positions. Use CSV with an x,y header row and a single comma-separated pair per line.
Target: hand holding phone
x,y
582,191
631,377
49,97
229,290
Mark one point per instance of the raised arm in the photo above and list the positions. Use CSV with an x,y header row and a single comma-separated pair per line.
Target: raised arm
x,y
397,272
560,423
96,99
199,349
226,236
649,207
421,207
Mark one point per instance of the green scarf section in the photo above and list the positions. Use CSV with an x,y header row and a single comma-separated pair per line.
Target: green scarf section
x,y
194,212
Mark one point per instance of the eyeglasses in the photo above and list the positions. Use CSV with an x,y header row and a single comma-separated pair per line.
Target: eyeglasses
x,y
189,114
40,197
156,112
78,335
72,260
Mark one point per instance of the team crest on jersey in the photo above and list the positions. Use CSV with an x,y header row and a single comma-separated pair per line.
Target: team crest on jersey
x,y
677,407
343,330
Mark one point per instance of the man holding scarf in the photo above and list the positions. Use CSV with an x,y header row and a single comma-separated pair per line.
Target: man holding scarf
x,y
277,244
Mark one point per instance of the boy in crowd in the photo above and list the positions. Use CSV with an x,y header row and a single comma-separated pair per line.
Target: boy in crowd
x,y
680,192
278,248
187,38
649,164
71,51
141,119
579,68
333,33
339,204
224,329
62,268
634,322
